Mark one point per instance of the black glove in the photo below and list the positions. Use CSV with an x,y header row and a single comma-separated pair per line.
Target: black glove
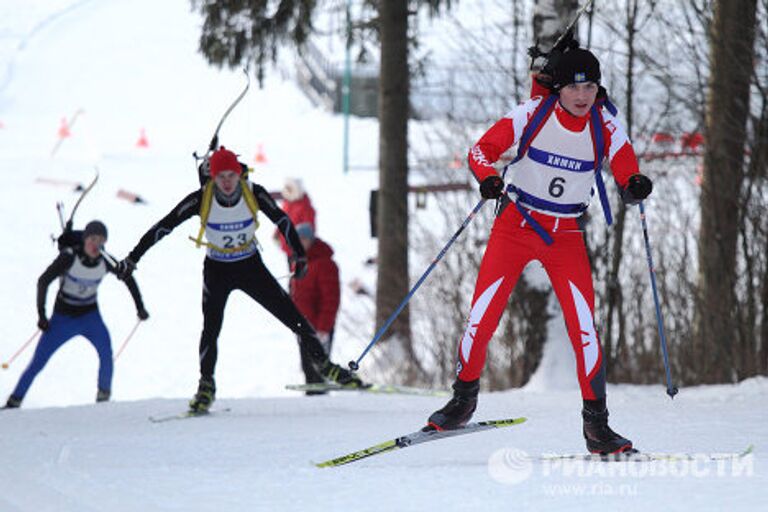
x,y
492,187
638,188
43,324
299,266
125,268
142,313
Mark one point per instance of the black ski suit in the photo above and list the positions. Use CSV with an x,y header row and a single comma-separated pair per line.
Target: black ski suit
x,y
249,275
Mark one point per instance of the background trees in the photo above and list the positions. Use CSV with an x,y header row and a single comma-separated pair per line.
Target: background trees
x,y
679,72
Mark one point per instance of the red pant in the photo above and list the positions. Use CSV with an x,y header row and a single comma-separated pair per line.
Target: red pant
x,y
512,245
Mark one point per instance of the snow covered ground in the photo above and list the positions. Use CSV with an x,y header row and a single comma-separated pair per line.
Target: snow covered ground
x,y
128,65
258,455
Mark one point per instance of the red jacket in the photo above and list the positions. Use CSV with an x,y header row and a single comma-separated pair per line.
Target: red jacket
x,y
317,294
299,211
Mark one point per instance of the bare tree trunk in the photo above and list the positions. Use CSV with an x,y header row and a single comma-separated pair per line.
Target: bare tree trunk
x,y
550,17
732,50
759,173
762,363
392,217
615,297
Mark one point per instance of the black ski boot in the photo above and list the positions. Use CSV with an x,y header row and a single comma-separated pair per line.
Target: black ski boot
x,y
12,403
335,373
205,396
311,372
103,395
599,436
459,409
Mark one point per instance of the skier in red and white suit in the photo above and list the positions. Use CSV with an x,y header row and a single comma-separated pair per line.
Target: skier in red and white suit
x,y
549,187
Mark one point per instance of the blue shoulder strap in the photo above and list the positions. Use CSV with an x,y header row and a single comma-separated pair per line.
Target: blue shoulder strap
x,y
532,128
596,122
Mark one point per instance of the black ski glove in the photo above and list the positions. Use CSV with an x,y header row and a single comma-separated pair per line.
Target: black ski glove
x,y
492,187
638,188
142,313
43,324
125,268
299,265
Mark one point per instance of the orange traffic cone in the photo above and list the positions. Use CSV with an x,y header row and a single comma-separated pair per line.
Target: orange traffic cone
x,y
260,157
64,129
142,142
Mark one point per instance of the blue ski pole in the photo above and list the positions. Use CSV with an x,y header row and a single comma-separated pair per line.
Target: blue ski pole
x,y
354,365
671,390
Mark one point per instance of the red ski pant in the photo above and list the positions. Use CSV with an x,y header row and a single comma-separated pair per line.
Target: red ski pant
x,y
511,246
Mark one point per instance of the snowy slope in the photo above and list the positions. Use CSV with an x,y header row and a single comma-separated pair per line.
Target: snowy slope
x,y
128,65
258,455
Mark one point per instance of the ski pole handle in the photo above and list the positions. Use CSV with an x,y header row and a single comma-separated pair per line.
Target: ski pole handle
x,y
6,364
671,389
354,365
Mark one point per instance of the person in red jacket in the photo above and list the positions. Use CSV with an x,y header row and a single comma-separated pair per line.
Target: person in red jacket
x,y
564,137
317,295
298,206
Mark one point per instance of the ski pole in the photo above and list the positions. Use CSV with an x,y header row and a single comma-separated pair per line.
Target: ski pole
x,y
80,199
6,364
671,390
215,139
127,339
354,365
111,259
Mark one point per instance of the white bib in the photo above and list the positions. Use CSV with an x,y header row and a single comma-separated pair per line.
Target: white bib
x,y
80,283
557,170
230,227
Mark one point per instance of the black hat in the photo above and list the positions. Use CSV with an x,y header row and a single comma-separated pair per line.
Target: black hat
x,y
95,227
576,66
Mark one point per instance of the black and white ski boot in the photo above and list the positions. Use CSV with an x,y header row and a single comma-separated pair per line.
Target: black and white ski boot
x,y
205,396
600,438
459,409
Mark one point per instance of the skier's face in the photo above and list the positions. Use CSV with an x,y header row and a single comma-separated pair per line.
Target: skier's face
x,y
93,244
578,98
227,181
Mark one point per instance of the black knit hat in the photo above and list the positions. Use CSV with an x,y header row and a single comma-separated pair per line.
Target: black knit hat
x,y
576,66
95,227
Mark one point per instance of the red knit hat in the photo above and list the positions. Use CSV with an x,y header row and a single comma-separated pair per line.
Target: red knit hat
x,y
223,160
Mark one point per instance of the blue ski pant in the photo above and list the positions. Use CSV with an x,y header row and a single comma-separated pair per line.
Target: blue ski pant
x,y
61,329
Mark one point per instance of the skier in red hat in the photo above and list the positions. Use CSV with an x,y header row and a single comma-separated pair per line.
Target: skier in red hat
x,y
228,206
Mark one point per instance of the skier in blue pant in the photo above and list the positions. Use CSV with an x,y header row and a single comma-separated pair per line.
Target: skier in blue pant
x,y
80,269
